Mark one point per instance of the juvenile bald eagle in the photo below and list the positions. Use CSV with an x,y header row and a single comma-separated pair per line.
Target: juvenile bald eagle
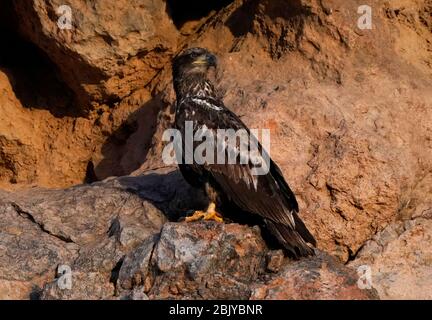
x,y
264,198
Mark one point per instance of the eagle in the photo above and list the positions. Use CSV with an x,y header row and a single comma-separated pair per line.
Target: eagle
x,y
265,199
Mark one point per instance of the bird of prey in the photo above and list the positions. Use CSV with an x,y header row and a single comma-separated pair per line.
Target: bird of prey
x,y
265,198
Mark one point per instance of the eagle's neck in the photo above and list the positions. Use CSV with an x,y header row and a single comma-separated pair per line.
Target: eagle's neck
x,y
194,85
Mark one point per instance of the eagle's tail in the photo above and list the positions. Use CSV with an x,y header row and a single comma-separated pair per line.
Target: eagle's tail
x,y
298,242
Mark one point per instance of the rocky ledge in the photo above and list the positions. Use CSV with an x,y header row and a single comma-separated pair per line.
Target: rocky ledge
x,y
114,240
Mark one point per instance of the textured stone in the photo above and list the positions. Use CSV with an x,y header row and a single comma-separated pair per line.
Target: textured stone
x,y
87,228
206,260
318,278
112,48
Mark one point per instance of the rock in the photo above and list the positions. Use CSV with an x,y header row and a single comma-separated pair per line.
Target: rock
x,y
85,286
60,89
318,278
399,257
108,240
400,260
59,148
135,271
89,228
206,261
28,253
136,294
111,48
274,260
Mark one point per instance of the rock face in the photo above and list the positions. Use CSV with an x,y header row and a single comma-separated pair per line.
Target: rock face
x,y
105,50
318,278
400,263
349,110
113,243
398,258
89,228
207,261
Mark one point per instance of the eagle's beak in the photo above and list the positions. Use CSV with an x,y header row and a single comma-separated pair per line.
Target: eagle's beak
x,y
207,59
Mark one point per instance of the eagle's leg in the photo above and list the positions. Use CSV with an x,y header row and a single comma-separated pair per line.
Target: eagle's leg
x,y
209,214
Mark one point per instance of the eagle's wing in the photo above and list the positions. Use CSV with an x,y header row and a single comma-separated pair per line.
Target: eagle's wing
x,y
267,195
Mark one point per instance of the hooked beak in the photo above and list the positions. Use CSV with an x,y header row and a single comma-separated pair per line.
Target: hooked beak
x,y
207,59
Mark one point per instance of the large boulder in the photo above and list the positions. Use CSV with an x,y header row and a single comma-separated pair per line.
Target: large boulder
x,y
88,228
105,50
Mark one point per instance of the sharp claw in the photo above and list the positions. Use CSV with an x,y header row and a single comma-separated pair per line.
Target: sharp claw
x,y
197,215
213,216
210,214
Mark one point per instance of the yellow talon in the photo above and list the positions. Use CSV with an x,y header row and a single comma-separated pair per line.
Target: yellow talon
x,y
213,216
197,215
209,214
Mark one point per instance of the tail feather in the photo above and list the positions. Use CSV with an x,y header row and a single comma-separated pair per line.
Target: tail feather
x,y
294,241
302,230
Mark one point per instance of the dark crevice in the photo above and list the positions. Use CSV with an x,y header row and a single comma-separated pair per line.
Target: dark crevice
x,y
36,293
114,228
150,270
90,176
30,217
182,11
353,255
115,274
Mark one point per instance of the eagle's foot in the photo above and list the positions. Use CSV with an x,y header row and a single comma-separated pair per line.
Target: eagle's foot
x,y
212,214
197,215
209,214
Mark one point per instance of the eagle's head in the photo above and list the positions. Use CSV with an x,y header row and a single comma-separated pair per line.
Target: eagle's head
x,y
193,61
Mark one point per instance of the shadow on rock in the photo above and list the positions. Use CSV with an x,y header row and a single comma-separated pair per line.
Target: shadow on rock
x,y
167,190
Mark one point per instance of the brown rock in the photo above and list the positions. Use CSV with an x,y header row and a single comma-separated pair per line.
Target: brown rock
x,y
40,148
400,256
113,245
28,253
111,49
89,228
400,260
274,260
135,269
316,278
85,286
206,261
